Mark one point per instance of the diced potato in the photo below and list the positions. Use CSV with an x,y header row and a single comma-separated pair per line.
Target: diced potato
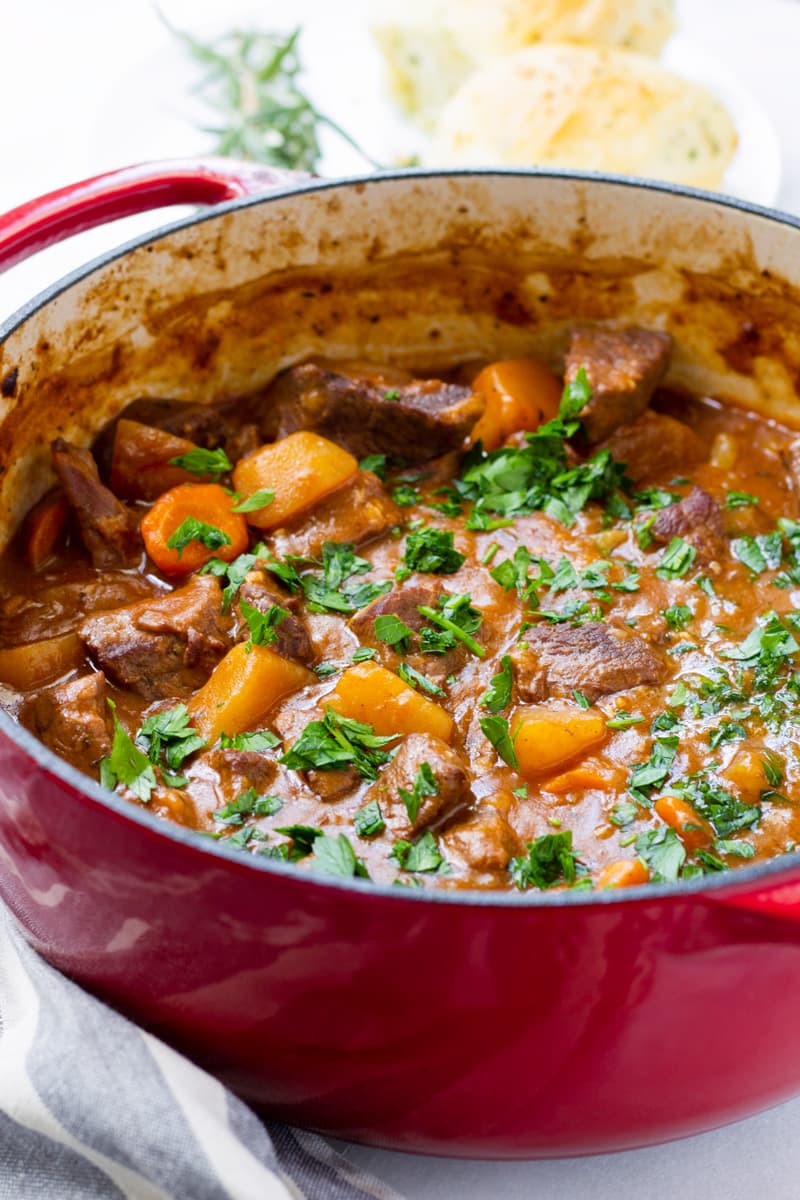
x,y
745,773
373,694
625,872
547,739
242,689
30,666
520,393
693,830
300,469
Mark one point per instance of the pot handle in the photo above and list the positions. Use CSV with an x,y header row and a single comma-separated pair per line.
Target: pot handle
x,y
57,215
780,900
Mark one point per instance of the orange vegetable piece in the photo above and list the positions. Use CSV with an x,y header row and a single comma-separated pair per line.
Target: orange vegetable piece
x,y
520,393
591,774
546,739
206,502
625,872
746,773
44,528
242,688
30,666
693,830
373,694
140,467
300,469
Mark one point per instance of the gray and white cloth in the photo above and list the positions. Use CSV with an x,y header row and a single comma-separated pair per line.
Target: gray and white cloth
x,y
94,1108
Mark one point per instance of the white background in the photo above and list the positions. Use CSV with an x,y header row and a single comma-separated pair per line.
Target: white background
x,y
88,85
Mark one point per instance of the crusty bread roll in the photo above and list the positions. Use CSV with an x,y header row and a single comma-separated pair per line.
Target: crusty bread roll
x,y
592,108
431,46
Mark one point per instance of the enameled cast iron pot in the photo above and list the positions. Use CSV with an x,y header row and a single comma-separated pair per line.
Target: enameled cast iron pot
x,y
482,1024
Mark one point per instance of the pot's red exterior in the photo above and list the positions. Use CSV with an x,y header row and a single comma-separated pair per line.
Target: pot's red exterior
x,y
458,1024
456,1028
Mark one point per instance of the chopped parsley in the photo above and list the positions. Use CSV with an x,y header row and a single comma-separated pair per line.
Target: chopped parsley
x,y
375,463
497,731
259,739
417,680
170,736
740,499
363,654
191,530
406,495
262,625
394,632
425,784
423,855
258,500
662,850
498,695
327,592
623,814
550,860
653,773
717,805
235,572
369,821
676,560
248,804
760,553
207,464
336,742
336,856
456,621
678,616
127,764
432,551
623,720
303,838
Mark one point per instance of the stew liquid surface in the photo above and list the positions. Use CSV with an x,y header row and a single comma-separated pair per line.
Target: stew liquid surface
x,y
501,630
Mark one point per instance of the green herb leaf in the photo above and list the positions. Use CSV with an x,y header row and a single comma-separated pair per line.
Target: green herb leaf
x,y
663,852
497,731
676,560
363,653
126,764
653,772
170,734
498,695
678,616
550,860
262,625
623,814
191,530
303,838
623,720
336,856
419,856
248,804
259,739
394,632
405,495
375,463
432,551
208,464
336,742
740,499
416,679
456,619
369,821
425,784
258,500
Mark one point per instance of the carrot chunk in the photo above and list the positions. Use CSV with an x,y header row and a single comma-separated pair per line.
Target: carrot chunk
x,y
44,528
140,466
591,774
373,694
547,739
190,524
30,666
242,689
300,469
693,830
625,872
520,393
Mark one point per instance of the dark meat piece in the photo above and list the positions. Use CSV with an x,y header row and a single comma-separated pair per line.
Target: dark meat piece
x,y
486,842
292,640
358,512
59,608
207,425
73,719
654,446
164,647
418,420
218,777
698,519
109,530
403,603
448,770
596,659
624,367
332,785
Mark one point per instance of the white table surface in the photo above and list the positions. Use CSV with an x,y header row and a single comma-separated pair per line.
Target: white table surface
x,y
75,79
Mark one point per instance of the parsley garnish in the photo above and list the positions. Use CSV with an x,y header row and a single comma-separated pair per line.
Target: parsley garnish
x,y
419,856
375,463
262,625
260,499
363,653
369,821
550,860
394,632
498,695
303,838
663,852
127,764
497,731
740,499
678,616
655,770
623,814
328,593
623,720
191,530
405,495
248,804
456,621
432,551
425,784
416,679
676,560
336,742
336,856
208,464
235,572
259,739
760,553
170,734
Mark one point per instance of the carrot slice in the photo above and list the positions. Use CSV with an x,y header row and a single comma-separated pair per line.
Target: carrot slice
x,y
300,469
198,521
625,872
693,830
44,528
520,393
373,694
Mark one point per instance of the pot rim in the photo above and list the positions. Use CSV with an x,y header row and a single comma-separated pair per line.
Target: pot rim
x,y
774,872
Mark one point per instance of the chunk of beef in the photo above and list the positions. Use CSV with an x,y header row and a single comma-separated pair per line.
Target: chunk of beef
x,y
161,647
59,608
403,603
219,777
109,530
73,719
624,367
596,659
698,519
418,420
654,446
292,636
485,842
448,770
208,425
333,785
358,512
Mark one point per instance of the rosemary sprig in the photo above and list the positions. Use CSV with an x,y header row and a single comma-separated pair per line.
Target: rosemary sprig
x,y
252,82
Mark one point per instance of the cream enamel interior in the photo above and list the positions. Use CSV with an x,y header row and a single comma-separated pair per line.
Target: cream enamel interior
x,y
419,269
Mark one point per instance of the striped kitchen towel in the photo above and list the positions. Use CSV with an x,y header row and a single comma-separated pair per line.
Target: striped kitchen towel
x,y
93,1108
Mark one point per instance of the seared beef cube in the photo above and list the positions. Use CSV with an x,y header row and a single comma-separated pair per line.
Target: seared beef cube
x,y
418,420
292,636
654,446
59,607
73,719
219,777
333,785
358,512
596,659
448,771
486,842
624,367
161,647
698,519
109,530
403,603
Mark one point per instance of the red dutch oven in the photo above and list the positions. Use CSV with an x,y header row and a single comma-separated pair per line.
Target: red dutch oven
x,y
460,1023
